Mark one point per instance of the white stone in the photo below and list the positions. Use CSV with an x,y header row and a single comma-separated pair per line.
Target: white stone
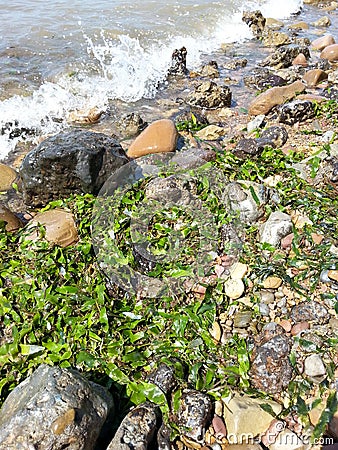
x,y
314,366
275,228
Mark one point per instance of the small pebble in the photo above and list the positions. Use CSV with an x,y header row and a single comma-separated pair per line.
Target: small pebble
x,y
286,324
272,282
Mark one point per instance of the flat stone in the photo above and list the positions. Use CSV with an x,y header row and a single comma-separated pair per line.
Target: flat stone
x,y
275,228
59,227
273,97
238,417
54,408
299,328
299,26
330,53
322,42
7,177
159,137
322,22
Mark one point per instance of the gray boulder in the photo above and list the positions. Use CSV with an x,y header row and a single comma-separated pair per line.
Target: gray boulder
x,y
69,163
53,409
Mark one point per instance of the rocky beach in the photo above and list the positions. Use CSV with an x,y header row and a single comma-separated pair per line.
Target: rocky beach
x,y
169,272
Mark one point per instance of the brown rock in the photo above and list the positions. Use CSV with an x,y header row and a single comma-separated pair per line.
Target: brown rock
x,y
59,227
333,274
330,53
314,77
286,325
11,220
7,177
159,137
274,96
286,242
300,60
272,282
322,42
299,327
299,26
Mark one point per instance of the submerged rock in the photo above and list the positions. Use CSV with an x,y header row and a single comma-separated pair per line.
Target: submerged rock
x,y
131,124
69,163
53,409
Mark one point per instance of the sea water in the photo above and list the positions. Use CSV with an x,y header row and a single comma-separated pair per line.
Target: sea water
x,y
59,56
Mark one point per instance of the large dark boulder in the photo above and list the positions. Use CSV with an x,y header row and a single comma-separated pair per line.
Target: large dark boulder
x,y
69,163
54,409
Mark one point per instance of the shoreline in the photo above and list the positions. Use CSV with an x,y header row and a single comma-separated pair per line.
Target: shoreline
x,y
262,323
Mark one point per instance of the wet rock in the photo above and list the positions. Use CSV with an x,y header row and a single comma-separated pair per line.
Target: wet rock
x,y
69,163
273,97
137,429
130,125
322,22
85,116
330,53
296,111
163,377
314,366
209,95
322,42
59,227
310,312
300,60
159,137
243,202
284,55
11,221
193,415
238,417
7,177
314,77
236,64
53,408
271,369
299,26
210,70
255,21
262,79
275,38
179,62
275,228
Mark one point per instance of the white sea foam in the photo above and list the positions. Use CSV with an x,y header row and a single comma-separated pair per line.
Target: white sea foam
x,y
126,68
